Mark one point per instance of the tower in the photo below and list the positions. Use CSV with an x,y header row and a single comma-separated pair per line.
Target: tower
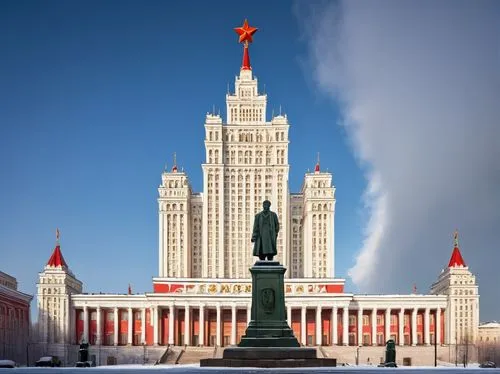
x,y
246,163
174,211
56,284
318,224
462,312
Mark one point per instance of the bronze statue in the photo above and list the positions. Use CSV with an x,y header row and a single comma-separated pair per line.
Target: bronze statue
x,y
265,232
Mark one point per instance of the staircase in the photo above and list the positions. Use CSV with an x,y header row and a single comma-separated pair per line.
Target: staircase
x,y
193,355
169,356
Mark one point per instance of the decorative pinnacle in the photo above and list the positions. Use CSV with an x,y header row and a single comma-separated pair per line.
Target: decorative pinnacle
x,y
245,32
455,239
57,235
174,167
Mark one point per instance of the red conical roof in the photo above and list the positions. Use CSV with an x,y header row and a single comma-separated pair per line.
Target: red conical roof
x,y
456,259
57,258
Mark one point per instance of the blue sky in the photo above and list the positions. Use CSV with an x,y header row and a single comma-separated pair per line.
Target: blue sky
x,y
96,96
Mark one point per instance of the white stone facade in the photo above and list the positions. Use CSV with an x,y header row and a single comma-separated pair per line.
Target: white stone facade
x,y
246,163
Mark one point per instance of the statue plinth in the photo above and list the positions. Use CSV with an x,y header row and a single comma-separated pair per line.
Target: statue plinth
x,y
269,341
268,326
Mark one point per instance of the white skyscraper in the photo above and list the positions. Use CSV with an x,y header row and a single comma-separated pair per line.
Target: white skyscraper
x,y
208,235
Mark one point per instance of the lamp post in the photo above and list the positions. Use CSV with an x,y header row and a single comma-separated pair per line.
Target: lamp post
x,y
435,351
27,354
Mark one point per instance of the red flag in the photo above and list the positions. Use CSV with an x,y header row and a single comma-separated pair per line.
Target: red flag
x,y
129,289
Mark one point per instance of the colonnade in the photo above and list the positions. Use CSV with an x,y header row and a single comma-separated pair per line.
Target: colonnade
x,y
353,325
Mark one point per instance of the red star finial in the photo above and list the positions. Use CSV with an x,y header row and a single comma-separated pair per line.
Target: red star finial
x,y
245,32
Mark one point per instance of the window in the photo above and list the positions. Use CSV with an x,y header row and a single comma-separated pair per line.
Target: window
x,y
394,320
366,339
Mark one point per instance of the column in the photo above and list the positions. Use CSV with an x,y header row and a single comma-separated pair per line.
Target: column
x,y
187,326
345,325
374,326
233,324
401,321
437,328
303,331
116,323
143,326
289,315
130,326
360,326
99,327
249,313
85,324
414,339
69,328
218,335
335,326
154,318
427,340
201,333
319,329
171,319
387,324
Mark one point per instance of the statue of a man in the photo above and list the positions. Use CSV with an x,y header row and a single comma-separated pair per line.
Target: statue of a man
x,y
265,232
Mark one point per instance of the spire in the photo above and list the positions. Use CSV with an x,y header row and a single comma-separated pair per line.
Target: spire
x,y
57,259
316,168
456,259
174,167
245,32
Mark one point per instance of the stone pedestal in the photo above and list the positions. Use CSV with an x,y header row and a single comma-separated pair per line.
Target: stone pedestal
x,y
268,326
269,341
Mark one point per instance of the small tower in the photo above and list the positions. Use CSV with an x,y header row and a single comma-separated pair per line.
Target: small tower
x,y
55,285
174,212
462,312
318,224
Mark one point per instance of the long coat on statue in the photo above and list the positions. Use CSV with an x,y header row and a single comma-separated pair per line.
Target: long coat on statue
x,y
265,232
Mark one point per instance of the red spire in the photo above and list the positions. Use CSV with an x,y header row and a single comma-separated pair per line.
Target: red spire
x,y
456,259
57,259
245,65
316,168
245,32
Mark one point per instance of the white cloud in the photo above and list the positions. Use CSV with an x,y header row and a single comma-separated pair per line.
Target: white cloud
x,y
419,86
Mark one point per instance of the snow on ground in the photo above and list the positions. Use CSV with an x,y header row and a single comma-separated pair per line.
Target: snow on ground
x,y
196,369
